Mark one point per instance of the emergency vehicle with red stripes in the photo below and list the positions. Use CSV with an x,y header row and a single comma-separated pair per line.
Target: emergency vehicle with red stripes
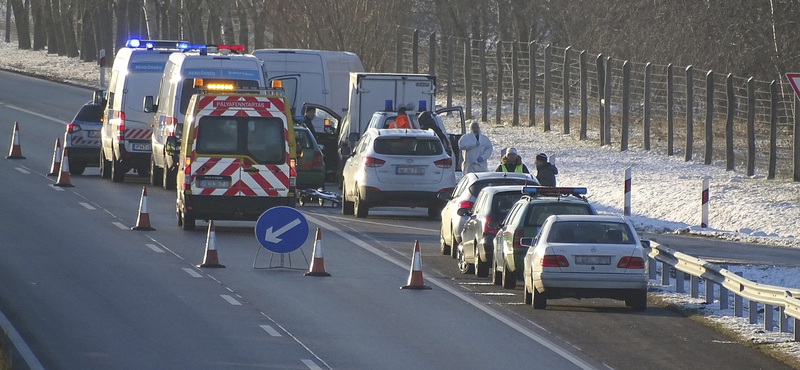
x,y
236,159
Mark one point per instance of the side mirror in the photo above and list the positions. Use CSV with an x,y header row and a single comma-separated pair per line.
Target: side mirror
x,y
148,106
99,97
528,242
463,212
172,145
353,136
445,196
645,244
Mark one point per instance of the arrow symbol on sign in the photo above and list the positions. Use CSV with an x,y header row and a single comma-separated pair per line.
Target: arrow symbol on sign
x,y
273,237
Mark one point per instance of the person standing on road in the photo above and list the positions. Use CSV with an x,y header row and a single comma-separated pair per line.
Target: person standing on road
x,y
511,162
426,122
308,120
476,148
401,121
545,171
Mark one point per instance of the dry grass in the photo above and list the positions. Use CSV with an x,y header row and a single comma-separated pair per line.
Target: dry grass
x,y
5,355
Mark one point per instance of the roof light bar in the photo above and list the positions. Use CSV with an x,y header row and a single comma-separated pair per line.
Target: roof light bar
x,y
533,190
136,43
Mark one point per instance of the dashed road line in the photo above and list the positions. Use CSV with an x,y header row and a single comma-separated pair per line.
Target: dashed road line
x,y
311,364
155,248
56,188
87,206
120,225
192,273
35,114
231,300
271,331
20,169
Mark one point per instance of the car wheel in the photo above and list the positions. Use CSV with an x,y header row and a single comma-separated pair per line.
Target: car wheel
x,y
481,268
188,221
527,297
434,212
443,247
539,301
509,278
347,206
454,247
170,177
155,173
178,216
105,165
637,301
361,210
76,168
118,170
463,266
497,277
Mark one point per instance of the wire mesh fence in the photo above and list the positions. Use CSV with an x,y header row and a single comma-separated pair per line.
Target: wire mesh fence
x,y
681,111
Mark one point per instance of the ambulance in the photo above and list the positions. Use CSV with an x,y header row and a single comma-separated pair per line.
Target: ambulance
x,y
237,159
218,67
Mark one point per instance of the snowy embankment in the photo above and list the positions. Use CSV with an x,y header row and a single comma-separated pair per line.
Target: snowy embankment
x,y
665,193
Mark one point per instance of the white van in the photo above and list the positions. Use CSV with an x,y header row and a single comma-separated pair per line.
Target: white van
x,y
125,135
216,68
320,76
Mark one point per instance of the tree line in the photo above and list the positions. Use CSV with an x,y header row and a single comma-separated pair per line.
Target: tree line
x,y
744,37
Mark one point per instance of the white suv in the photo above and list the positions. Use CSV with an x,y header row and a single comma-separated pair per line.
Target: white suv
x,y
396,168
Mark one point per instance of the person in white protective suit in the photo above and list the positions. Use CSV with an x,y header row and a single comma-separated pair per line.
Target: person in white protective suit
x,y
477,148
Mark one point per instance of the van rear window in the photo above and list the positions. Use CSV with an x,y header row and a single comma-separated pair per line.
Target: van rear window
x,y
261,138
188,89
408,146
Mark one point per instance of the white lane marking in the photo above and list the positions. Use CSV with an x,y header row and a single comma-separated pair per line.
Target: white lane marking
x,y
230,300
350,219
20,169
22,347
311,364
193,273
271,331
36,114
472,301
56,188
120,225
155,248
87,206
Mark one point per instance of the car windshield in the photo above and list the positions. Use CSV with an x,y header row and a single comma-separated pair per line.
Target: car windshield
x,y
594,232
477,186
303,138
260,138
538,213
408,146
90,113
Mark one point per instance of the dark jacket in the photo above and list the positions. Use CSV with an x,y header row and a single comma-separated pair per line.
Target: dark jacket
x,y
511,167
310,125
426,121
546,174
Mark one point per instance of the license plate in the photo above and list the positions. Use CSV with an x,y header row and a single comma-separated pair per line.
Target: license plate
x,y
410,170
592,260
94,133
214,182
135,146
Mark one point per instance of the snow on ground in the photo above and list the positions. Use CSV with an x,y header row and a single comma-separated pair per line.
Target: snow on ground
x,y
665,192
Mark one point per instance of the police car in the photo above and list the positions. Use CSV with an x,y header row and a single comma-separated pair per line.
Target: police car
x,y
82,138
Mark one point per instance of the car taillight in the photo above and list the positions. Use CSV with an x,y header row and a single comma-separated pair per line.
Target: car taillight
x,y
73,128
292,175
554,260
187,174
119,118
631,263
373,162
488,229
172,123
518,234
444,163
465,204
317,162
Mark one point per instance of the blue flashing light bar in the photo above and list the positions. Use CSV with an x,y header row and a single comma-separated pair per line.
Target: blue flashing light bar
x,y
183,45
134,43
388,105
549,190
423,105
149,45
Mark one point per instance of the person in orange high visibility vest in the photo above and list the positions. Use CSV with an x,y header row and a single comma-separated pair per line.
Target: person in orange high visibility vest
x,y
401,121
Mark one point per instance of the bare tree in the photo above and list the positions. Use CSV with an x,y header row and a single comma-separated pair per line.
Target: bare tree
x,y
151,18
23,27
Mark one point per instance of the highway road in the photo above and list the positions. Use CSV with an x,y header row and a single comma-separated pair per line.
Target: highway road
x,y
84,291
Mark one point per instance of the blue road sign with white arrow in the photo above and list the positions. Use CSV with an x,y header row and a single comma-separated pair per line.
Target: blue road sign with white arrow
x,y
281,229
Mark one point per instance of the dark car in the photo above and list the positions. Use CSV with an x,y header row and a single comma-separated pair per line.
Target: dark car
x,y
310,166
82,139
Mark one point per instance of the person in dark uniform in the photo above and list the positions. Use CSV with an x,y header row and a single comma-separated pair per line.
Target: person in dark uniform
x,y
545,171
426,122
309,115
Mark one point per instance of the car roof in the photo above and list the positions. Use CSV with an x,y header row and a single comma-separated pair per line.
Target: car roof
x,y
503,188
498,175
401,132
596,218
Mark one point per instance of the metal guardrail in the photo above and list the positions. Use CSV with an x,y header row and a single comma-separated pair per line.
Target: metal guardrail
x,y
769,296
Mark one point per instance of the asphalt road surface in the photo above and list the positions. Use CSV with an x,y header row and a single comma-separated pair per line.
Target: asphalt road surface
x,y
84,291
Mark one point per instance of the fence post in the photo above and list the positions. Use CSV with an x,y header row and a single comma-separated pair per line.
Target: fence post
x,y
627,206
773,130
601,93
751,127
694,287
101,61
709,291
450,68
738,302
652,268
783,321
498,108
723,298
468,77
648,80
548,56
689,113
665,273
704,204
584,97
415,52
680,281
626,105
730,157
532,84
796,136
607,110
670,112
398,61
709,118
484,83
515,83
432,55
565,83
769,318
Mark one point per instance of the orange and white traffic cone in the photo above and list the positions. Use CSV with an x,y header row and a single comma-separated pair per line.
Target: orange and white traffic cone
x,y
63,175
210,259
16,150
143,222
317,267
55,168
415,277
